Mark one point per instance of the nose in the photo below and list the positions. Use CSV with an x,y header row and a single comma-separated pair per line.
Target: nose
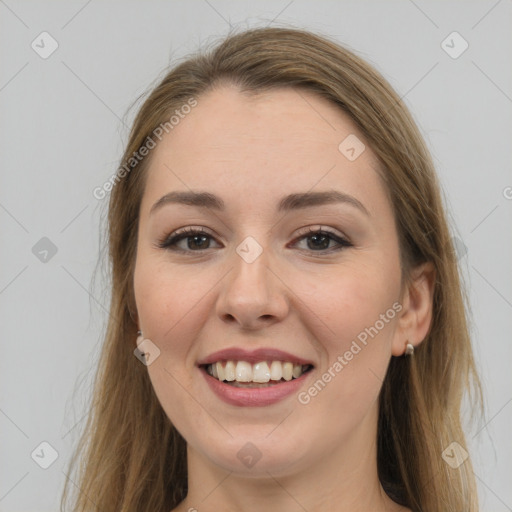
x,y
253,295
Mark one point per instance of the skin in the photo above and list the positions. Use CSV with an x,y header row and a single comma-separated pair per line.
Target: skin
x,y
250,151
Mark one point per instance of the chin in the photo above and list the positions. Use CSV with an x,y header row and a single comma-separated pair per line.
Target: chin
x,y
259,454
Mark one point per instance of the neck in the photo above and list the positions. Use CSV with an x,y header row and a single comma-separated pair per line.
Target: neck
x,y
345,479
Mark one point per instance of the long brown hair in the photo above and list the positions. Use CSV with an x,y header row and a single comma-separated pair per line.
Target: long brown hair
x,y
130,457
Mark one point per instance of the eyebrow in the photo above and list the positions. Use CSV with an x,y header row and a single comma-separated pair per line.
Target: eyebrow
x,y
287,203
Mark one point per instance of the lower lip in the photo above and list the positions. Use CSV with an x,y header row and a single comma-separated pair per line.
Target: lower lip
x,y
254,397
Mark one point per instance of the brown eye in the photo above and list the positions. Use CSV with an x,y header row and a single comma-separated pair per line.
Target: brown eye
x,y
319,240
196,240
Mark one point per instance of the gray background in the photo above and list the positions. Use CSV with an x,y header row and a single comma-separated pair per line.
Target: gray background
x,y
64,120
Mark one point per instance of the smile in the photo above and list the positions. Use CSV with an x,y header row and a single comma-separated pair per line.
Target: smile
x,y
260,374
249,378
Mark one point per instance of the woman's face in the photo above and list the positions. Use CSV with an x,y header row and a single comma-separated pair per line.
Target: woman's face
x,y
258,287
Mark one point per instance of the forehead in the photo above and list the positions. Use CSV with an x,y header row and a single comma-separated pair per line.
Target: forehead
x,y
251,149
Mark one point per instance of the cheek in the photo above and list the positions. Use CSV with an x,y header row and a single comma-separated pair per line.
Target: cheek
x,y
356,309
348,299
347,385
172,306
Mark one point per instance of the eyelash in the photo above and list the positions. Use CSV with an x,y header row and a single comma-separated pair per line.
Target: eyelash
x,y
169,242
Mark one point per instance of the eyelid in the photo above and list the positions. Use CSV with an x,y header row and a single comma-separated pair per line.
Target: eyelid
x,y
319,227
183,233
340,239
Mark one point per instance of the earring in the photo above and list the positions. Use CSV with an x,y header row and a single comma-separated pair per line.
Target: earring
x,y
409,349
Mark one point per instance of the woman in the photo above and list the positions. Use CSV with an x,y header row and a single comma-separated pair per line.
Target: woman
x,y
287,327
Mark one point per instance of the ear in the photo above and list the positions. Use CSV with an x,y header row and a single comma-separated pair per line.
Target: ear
x,y
417,304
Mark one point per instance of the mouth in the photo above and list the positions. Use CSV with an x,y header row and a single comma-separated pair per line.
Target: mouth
x,y
262,374
254,378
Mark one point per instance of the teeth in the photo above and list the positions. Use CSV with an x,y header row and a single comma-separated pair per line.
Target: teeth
x,y
220,371
276,370
287,371
261,372
243,371
230,371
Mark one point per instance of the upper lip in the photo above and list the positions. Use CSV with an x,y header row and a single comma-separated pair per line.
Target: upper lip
x,y
252,356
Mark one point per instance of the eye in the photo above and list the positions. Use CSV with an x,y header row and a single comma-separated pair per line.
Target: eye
x,y
198,240
321,239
